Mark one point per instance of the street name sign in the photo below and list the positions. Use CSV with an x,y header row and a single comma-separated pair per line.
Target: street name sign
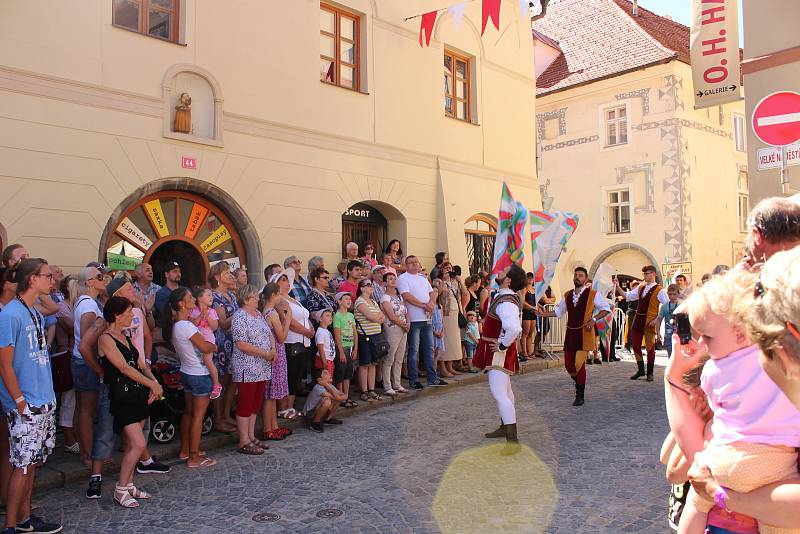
x,y
770,157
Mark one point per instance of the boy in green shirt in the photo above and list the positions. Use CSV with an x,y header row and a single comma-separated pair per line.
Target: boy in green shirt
x,y
344,330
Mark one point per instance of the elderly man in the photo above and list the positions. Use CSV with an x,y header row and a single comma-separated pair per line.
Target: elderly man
x,y
773,225
316,262
378,286
145,291
300,286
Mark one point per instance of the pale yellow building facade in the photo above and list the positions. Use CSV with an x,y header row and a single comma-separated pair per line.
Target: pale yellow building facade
x,y
653,180
278,158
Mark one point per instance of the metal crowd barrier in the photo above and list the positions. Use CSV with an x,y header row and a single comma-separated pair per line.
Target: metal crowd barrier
x,y
553,340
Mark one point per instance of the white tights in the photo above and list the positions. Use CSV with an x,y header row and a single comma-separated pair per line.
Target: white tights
x,y
500,386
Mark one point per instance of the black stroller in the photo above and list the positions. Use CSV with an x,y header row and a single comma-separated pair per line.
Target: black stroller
x,y
165,415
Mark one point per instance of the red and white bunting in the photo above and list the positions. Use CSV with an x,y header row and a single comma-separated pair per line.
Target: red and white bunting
x,y
490,9
426,24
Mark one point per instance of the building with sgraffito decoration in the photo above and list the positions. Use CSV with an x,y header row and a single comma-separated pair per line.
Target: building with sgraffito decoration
x,y
305,125
653,180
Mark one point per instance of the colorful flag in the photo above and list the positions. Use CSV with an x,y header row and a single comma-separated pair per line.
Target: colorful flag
x,y
550,231
508,245
426,26
458,14
490,9
604,328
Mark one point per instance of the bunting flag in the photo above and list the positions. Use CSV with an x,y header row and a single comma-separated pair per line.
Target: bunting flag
x,y
550,231
508,245
426,26
490,9
604,328
458,14
525,9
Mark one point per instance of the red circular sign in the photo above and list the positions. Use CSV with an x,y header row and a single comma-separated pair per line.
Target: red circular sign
x,y
776,119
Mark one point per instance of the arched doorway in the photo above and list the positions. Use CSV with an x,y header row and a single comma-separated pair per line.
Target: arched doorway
x,y
362,223
479,232
174,226
628,259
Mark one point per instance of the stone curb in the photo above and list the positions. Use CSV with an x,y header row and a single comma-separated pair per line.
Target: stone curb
x,y
62,469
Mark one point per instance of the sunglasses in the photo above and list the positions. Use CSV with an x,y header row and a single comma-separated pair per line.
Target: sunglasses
x,y
100,277
366,285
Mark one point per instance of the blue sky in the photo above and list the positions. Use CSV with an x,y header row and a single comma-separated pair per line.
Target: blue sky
x,y
681,11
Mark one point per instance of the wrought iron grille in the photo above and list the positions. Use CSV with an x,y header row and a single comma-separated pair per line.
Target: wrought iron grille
x,y
480,251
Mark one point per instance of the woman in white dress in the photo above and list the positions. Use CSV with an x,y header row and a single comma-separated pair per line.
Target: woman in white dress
x,y
451,294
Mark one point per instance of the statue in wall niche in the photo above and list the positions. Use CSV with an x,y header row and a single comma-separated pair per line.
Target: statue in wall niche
x,y
183,115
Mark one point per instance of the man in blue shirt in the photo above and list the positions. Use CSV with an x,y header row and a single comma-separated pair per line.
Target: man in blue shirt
x,y
26,392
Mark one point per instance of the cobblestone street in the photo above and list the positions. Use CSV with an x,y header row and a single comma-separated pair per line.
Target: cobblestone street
x,y
423,466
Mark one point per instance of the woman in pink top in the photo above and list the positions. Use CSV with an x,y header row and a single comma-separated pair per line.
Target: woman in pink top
x,y
755,427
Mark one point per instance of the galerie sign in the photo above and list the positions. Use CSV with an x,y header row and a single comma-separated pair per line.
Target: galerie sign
x,y
716,71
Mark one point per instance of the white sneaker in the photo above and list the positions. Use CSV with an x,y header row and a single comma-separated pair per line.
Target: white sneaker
x,y
390,392
75,448
401,389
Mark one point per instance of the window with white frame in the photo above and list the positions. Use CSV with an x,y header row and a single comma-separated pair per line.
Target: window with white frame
x,y
739,133
616,125
743,211
618,206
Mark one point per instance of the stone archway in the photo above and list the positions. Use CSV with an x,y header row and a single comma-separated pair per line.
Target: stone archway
x,y
392,221
209,199
619,248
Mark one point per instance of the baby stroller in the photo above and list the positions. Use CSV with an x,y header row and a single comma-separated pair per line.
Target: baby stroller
x,y
165,414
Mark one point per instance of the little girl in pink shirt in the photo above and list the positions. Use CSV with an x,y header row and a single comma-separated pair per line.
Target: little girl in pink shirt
x,y
205,318
755,428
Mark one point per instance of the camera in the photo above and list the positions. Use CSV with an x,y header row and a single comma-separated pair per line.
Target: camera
x,y
682,327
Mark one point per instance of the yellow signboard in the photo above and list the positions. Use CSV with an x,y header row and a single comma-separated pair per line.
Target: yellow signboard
x,y
669,268
156,215
219,236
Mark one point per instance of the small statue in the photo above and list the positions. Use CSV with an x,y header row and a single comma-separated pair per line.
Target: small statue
x,y
183,115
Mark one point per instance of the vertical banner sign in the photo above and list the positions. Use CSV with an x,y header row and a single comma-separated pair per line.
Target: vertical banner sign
x,y
716,70
196,218
156,216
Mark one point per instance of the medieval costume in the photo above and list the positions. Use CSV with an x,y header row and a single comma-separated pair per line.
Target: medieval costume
x,y
502,327
579,305
649,298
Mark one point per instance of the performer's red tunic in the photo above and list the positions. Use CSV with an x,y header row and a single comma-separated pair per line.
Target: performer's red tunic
x,y
647,310
492,327
578,338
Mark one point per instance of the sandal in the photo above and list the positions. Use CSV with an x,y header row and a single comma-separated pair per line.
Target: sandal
x,y
290,414
260,444
137,493
374,396
366,397
207,462
351,403
185,458
274,435
124,498
216,391
250,450
285,431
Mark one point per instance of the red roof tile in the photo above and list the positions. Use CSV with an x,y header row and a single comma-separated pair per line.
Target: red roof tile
x,y
601,38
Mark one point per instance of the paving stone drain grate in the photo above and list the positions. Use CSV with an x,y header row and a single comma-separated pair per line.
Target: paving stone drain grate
x,y
266,517
328,513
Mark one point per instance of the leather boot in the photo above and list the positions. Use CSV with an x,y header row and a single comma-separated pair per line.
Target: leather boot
x,y
499,433
579,390
512,445
640,373
650,372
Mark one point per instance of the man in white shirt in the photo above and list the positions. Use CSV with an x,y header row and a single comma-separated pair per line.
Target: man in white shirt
x,y
420,299
579,305
650,295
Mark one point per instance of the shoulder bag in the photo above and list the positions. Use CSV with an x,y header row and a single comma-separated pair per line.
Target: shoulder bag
x,y
378,341
462,320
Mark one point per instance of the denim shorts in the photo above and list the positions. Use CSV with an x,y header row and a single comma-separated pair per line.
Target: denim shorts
x,y
84,378
197,385
104,440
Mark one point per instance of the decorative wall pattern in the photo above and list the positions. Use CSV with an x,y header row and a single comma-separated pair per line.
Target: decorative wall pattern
x,y
649,205
644,94
669,92
571,142
685,123
560,114
676,194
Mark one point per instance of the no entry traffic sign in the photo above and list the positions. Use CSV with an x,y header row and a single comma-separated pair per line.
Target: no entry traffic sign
x,y
776,119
